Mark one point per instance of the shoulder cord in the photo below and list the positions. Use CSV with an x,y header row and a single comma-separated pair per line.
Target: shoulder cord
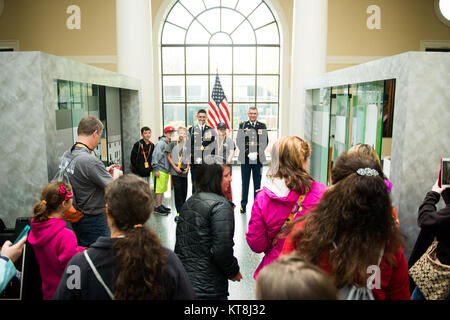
x,y
97,275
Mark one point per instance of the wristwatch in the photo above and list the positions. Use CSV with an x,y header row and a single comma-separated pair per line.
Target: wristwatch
x,y
4,258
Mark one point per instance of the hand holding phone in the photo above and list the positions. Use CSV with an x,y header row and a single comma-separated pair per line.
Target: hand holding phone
x,y
13,252
22,234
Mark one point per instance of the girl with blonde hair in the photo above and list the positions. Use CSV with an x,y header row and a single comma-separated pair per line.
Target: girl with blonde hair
x,y
289,192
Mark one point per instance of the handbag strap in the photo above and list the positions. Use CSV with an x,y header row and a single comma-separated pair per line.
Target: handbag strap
x,y
291,217
97,275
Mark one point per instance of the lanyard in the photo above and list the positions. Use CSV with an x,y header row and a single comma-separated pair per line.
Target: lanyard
x,y
180,155
148,153
81,144
220,145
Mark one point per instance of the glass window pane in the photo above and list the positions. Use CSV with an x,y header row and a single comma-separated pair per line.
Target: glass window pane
x,y
64,94
174,115
212,3
268,34
192,112
220,59
246,65
230,20
193,6
268,60
173,87
220,38
196,59
197,88
267,88
268,113
173,60
247,6
244,34
244,89
179,16
172,34
225,81
261,16
240,114
229,3
210,20
197,34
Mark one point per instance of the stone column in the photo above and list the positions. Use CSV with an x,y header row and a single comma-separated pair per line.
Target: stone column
x,y
135,53
308,59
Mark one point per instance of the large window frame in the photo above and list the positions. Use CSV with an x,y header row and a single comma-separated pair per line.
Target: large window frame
x,y
234,105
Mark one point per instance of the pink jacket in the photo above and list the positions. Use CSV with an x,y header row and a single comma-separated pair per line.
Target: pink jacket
x,y
54,245
272,205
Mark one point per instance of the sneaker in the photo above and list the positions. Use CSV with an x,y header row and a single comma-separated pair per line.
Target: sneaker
x,y
243,210
160,210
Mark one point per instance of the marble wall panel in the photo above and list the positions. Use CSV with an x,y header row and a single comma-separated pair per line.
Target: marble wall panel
x,y
28,140
22,136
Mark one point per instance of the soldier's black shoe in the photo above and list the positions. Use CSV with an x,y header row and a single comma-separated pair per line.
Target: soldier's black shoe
x,y
243,210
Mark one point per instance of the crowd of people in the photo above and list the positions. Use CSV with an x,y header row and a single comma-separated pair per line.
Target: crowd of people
x,y
92,241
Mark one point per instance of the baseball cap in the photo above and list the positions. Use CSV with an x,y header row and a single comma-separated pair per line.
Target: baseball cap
x,y
221,125
169,129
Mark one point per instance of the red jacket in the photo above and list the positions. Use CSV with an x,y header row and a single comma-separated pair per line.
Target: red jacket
x,y
394,280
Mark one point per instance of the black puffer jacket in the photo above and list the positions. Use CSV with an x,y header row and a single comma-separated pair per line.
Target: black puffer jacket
x,y
204,243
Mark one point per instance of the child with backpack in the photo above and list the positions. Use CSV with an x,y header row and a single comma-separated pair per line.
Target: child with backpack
x,y
54,244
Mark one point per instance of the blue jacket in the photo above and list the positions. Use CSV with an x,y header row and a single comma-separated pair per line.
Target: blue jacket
x,y
7,272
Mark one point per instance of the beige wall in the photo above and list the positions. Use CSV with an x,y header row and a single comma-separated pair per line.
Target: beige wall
x,y
40,25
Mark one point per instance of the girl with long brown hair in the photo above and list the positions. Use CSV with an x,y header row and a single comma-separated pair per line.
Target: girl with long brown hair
x,y
289,192
132,264
351,227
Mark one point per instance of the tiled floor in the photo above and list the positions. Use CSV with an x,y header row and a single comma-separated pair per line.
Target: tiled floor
x,y
248,260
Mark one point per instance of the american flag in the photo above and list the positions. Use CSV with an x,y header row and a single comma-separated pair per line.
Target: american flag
x,y
218,106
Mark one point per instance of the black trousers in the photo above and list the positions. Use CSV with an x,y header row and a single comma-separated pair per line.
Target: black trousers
x,y
180,186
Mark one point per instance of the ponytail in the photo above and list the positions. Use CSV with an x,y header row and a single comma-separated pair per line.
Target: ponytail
x,y
140,263
40,210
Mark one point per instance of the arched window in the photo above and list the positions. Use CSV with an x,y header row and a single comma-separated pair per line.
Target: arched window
x,y
238,39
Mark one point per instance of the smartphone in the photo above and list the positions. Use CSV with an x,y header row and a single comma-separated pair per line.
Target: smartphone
x,y
22,234
445,173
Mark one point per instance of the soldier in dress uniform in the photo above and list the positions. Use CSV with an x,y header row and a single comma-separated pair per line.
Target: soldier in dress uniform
x,y
252,141
201,135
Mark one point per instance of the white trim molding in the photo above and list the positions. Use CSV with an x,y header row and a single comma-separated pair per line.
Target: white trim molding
x,y
9,44
434,44
351,59
94,59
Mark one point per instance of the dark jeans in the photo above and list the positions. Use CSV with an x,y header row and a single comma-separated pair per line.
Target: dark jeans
x,y
193,166
90,228
180,186
246,170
